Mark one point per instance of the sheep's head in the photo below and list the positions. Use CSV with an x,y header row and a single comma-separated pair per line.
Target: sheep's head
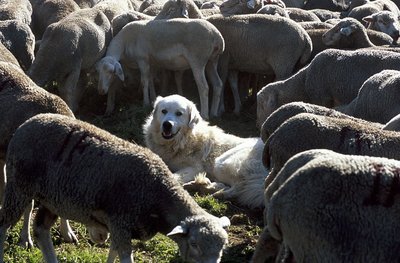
x,y
108,68
341,30
386,22
267,102
201,238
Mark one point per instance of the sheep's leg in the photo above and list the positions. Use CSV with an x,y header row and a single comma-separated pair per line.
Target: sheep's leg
x,y
111,97
112,255
69,90
25,239
179,80
43,222
233,82
2,179
120,241
223,65
15,203
145,76
216,83
66,232
266,247
202,87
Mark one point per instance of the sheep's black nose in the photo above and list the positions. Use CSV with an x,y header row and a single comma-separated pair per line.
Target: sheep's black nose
x,y
167,126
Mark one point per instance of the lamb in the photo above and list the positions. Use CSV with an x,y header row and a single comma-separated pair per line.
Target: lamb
x,y
384,21
366,201
139,41
341,135
46,12
79,40
19,39
21,99
291,109
96,194
16,10
376,100
317,84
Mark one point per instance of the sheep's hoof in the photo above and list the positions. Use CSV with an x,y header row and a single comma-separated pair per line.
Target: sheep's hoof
x,y
25,243
70,237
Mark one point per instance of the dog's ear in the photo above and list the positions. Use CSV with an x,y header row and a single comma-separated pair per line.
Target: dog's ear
x,y
194,115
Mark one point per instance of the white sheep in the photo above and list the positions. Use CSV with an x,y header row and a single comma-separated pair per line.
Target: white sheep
x,y
377,98
160,43
79,171
21,99
69,47
329,207
329,80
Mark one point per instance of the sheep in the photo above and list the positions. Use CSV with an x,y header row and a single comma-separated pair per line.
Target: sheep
x,y
360,9
393,124
376,100
96,194
121,20
46,12
273,10
16,10
21,99
79,40
143,40
351,207
86,3
19,39
384,21
113,8
291,109
331,5
341,135
7,56
329,80
324,14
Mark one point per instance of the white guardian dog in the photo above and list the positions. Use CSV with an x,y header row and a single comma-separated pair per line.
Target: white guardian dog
x,y
192,148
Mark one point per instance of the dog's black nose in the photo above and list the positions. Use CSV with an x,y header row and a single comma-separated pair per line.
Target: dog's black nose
x,y
167,126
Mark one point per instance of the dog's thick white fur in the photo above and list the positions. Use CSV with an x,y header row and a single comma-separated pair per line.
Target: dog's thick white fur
x,y
191,147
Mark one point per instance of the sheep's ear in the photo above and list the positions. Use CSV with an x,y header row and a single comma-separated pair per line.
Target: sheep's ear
x,y
224,221
346,31
178,230
368,19
118,71
194,116
185,12
251,4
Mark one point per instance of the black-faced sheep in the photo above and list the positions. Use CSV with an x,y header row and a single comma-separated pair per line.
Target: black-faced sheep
x,y
336,208
69,47
81,172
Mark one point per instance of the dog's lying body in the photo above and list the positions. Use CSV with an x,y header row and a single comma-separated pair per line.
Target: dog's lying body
x,y
191,147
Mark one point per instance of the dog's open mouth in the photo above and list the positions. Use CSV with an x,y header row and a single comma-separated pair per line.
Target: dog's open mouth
x,y
168,134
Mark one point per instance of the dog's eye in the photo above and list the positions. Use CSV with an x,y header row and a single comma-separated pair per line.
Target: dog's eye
x,y
178,113
164,111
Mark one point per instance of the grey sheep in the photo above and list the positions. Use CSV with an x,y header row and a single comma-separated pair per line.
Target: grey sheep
x,y
148,44
359,9
384,21
351,213
291,109
121,20
46,12
16,10
88,174
377,98
331,5
21,99
69,47
113,8
307,131
19,39
317,84
324,14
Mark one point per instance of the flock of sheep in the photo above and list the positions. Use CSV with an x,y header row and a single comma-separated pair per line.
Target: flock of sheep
x,y
327,118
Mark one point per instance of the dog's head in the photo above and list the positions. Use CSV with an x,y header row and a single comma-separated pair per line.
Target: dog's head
x,y
172,117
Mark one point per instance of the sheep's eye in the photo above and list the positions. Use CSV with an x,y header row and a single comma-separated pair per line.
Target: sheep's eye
x,y
164,111
178,113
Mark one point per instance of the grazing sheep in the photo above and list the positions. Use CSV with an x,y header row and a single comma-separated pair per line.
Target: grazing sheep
x,y
72,45
351,212
19,39
46,12
341,135
160,43
81,172
291,109
16,10
384,21
377,98
21,99
329,80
